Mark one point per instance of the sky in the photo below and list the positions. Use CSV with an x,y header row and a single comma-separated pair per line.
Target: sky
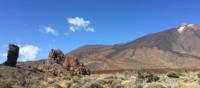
x,y
40,25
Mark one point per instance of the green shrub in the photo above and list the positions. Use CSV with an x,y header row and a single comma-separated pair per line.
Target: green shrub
x,y
147,76
173,75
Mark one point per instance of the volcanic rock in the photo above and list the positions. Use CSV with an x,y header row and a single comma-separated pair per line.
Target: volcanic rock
x,y
55,57
58,64
84,70
72,64
13,54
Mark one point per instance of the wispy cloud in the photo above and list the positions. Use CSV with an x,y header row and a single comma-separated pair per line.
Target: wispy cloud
x,y
90,29
28,52
50,30
78,23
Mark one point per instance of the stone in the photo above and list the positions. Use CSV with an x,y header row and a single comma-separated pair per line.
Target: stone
x,y
84,70
13,54
56,56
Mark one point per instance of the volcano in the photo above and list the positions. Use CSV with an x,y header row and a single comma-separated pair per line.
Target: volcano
x,y
175,48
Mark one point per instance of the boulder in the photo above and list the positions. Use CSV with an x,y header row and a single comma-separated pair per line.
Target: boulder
x,y
13,54
56,56
83,70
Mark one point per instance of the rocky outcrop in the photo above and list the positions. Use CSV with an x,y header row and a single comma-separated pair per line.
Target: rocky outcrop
x,y
72,64
84,70
56,56
58,64
13,54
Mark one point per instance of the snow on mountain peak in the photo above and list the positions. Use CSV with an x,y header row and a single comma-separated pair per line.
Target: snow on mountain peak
x,y
183,27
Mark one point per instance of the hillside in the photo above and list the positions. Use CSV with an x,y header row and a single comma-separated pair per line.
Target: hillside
x,y
174,48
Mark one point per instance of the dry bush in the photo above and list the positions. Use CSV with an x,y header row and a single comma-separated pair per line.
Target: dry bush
x,y
147,76
173,74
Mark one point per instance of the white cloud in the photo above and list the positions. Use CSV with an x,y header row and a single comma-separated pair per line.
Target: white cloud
x,y
90,29
28,52
48,29
78,23
73,29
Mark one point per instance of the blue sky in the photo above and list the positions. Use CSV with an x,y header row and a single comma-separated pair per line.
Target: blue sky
x,y
39,25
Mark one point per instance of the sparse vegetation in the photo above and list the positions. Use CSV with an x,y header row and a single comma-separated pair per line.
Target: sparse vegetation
x,y
173,74
198,75
147,76
155,85
142,79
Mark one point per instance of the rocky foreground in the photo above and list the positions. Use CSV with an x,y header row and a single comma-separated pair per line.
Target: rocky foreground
x,y
36,74
65,71
19,77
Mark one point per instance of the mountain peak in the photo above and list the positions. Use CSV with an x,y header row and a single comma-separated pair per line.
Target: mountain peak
x,y
185,27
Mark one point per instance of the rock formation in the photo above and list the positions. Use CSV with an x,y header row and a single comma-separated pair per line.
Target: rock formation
x,y
56,56
13,53
58,64
84,70
72,64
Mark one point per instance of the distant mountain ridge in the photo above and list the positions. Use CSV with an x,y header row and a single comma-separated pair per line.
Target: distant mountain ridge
x,y
174,48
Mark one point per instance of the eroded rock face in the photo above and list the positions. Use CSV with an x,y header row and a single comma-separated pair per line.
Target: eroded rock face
x,y
58,64
13,54
72,64
56,56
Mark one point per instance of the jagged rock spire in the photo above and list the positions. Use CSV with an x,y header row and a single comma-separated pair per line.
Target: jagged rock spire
x,y
13,54
56,56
